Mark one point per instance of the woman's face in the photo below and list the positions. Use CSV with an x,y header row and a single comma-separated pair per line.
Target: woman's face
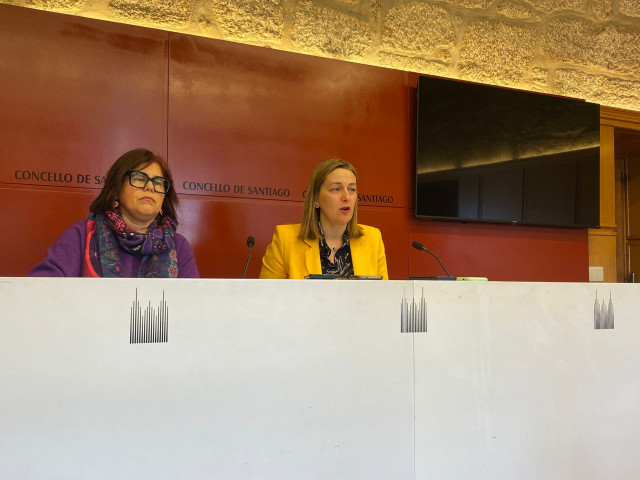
x,y
337,197
140,206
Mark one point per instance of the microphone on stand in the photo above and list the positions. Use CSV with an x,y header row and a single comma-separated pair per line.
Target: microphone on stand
x,y
250,243
419,246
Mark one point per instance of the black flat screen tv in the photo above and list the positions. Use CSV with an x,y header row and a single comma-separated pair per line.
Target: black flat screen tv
x,y
491,154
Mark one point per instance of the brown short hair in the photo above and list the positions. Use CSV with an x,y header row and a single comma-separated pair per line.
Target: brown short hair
x,y
132,160
309,229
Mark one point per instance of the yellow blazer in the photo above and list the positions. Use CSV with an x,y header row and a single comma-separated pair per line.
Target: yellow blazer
x,y
289,257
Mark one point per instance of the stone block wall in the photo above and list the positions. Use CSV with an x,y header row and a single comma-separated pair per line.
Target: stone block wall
x,y
586,49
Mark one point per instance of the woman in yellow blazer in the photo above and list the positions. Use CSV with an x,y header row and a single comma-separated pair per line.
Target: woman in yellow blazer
x,y
329,239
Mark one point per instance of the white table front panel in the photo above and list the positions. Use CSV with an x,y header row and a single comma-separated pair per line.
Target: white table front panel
x,y
259,379
513,381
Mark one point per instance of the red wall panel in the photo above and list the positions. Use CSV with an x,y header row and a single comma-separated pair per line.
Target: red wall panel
x,y
500,252
218,229
251,117
77,93
33,218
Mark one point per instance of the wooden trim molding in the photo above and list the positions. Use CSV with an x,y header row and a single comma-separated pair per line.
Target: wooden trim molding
x,y
603,232
603,241
617,117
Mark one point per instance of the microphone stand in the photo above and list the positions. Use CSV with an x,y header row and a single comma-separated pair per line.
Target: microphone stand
x,y
250,243
419,246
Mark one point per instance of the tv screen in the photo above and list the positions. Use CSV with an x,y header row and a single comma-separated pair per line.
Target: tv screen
x,y
491,154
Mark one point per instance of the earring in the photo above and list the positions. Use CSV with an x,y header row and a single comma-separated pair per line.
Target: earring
x,y
116,204
316,205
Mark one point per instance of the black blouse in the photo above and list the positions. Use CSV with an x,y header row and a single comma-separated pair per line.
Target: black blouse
x,y
342,264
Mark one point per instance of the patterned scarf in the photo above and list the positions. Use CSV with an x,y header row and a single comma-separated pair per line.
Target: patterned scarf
x,y
107,234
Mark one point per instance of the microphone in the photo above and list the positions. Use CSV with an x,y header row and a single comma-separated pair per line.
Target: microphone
x,y
250,243
419,246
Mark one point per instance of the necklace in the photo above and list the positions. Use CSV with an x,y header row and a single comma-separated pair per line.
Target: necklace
x,y
333,248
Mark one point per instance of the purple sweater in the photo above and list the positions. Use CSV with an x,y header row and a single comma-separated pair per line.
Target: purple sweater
x,y
64,257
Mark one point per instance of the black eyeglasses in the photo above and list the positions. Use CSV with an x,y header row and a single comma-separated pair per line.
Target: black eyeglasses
x,y
141,180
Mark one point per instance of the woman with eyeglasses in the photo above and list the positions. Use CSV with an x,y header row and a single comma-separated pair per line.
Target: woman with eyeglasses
x,y
131,231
